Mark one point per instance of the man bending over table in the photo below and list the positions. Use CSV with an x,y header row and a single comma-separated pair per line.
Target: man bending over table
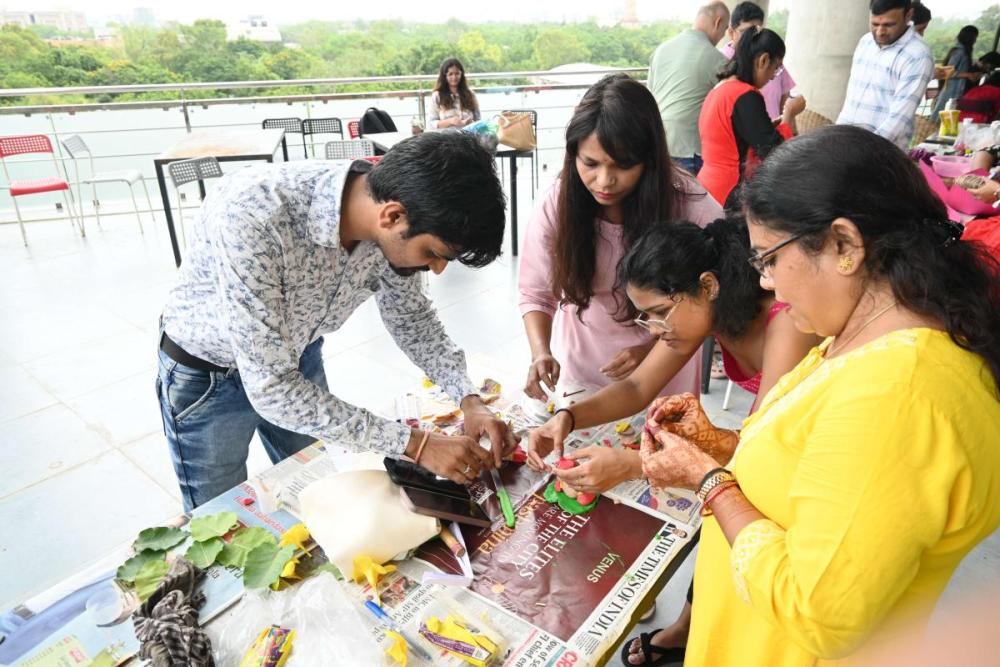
x,y
282,254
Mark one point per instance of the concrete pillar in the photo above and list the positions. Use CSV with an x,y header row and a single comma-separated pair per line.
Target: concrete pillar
x,y
822,35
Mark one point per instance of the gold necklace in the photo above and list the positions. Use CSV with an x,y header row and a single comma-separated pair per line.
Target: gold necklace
x,y
839,346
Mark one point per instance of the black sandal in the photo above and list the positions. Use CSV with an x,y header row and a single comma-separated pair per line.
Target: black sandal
x,y
652,655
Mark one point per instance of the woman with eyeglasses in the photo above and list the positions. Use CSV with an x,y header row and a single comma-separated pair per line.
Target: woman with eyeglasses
x,y
617,178
735,127
687,283
873,467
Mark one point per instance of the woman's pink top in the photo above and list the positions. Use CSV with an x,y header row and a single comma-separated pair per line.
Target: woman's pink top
x,y
582,348
733,371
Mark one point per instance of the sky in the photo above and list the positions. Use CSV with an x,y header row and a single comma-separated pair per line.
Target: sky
x,y
435,11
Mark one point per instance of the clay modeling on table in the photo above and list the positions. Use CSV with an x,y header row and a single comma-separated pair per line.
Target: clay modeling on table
x,y
568,498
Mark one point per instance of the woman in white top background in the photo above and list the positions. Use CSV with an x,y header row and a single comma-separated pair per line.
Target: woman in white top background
x,y
453,104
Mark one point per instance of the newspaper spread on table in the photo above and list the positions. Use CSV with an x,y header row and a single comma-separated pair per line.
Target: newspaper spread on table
x,y
556,589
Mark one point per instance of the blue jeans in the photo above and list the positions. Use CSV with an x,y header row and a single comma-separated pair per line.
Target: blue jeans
x,y
692,164
209,421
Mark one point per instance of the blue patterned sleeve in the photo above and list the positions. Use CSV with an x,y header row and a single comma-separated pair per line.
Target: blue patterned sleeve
x,y
250,262
411,320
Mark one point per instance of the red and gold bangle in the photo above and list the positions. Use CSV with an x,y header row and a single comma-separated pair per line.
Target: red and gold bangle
x,y
706,509
420,448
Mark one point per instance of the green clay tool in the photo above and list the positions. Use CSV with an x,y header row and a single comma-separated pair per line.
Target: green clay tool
x,y
508,509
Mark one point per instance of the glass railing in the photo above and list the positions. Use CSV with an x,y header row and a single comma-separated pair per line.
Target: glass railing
x,y
125,135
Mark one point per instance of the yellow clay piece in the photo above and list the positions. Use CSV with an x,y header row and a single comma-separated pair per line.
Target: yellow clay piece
x,y
366,569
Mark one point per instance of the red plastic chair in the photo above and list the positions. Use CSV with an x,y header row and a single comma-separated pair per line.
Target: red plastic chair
x,y
36,143
354,129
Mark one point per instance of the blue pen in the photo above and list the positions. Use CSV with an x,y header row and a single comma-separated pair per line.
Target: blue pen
x,y
387,622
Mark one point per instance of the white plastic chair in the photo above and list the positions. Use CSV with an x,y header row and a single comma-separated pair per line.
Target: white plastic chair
x,y
77,148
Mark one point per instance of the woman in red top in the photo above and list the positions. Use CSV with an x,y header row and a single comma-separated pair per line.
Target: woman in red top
x,y
734,119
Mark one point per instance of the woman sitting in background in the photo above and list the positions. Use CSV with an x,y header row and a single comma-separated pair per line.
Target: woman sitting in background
x,y
872,468
965,72
734,118
453,104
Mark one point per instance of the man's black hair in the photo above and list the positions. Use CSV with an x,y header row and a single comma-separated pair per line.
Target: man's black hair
x,y
879,7
745,11
921,14
447,183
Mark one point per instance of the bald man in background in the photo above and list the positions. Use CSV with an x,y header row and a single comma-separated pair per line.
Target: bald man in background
x,y
682,71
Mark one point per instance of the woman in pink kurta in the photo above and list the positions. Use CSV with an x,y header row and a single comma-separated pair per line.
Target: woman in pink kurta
x,y
616,180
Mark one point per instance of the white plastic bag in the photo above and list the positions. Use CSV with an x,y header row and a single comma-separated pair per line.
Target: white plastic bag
x,y
329,628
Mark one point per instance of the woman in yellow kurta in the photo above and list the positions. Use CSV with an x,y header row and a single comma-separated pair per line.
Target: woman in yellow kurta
x,y
871,468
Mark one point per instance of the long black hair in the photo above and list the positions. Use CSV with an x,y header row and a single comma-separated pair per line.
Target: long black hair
x,y
625,117
843,171
670,258
754,42
445,98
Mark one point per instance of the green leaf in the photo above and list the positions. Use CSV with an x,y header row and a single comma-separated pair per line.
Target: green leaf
x,y
243,542
214,525
130,567
265,563
149,576
203,554
331,568
158,539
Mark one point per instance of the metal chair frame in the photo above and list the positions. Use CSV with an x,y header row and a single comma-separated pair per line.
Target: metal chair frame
x,y
311,126
350,149
292,125
76,148
188,171
37,143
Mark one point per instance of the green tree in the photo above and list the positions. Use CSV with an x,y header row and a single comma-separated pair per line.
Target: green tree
x,y
205,35
558,46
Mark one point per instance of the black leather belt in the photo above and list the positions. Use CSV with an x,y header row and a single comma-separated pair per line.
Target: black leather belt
x,y
178,354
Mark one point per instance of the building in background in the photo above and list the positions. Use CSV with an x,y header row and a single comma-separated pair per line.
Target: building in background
x,y
630,19
64,21
255,28
143,16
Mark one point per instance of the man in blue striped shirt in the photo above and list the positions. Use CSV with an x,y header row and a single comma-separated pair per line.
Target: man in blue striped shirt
x,y
892,65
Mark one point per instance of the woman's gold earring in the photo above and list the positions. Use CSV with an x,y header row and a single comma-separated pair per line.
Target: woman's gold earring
x,y
846,263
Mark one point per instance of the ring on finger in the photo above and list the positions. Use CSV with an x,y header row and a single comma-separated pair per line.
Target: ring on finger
x,y
467,470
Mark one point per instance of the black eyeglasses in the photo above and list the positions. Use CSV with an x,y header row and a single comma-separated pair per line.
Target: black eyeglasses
x,y
759,261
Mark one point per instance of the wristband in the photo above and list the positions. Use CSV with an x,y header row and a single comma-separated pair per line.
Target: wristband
x,y
420,448
572,419
706,508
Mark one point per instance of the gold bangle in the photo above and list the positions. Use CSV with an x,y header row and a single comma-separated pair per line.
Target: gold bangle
x,y
716,478
420,448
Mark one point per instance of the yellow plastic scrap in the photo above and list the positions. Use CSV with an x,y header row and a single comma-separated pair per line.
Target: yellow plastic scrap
x,y
366,569
398,649
483,648
622,427
427,383
297,535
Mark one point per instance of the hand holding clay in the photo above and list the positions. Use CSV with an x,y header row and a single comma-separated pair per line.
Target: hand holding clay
x,y
458,458
669,460
549,436
683,415
602,468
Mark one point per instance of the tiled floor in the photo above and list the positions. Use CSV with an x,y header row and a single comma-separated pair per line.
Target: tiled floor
x,y
83,459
